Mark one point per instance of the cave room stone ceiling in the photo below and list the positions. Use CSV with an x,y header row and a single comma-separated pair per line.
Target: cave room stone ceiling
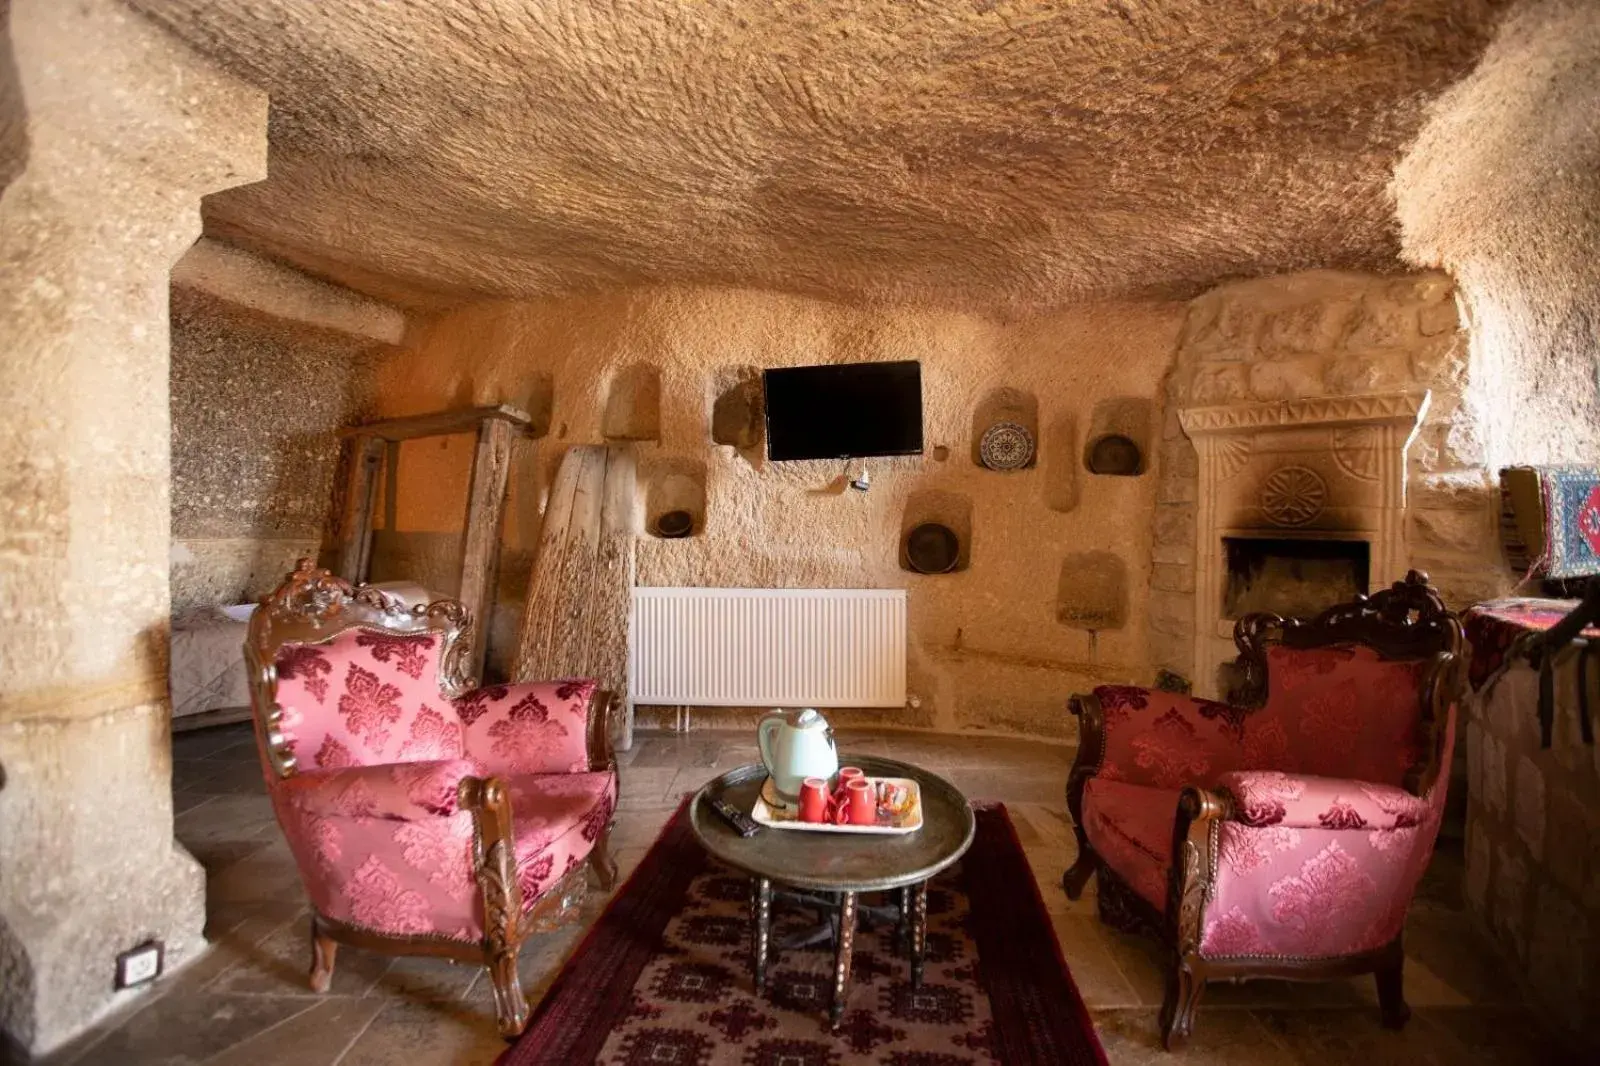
x,y
999,157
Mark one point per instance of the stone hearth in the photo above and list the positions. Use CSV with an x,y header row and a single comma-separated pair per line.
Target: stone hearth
x,y
1314,470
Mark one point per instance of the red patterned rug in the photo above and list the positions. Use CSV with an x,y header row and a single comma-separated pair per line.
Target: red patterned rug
x,y
664,976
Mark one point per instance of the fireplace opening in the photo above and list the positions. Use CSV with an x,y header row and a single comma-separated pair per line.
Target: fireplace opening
x,y
1295,578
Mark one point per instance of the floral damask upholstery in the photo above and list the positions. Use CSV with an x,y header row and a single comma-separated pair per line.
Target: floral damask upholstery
x,y
1284,835
1131,827
1323,848
371,811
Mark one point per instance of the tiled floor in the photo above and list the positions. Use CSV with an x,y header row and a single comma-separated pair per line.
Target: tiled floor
x,y
246,1000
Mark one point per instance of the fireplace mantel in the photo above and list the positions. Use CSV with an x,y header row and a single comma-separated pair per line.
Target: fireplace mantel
x,y
1325,468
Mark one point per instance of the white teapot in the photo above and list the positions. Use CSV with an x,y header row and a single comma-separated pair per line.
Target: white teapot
x,y
794,746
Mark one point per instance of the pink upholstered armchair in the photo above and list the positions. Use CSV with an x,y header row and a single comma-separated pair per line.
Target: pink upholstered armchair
x,y
426,818
1281,834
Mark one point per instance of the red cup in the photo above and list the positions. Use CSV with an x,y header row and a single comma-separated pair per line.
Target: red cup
x,y
813,800
848,774
862,803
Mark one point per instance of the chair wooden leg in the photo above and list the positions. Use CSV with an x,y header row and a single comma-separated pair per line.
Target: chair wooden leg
x,y
1077,876
1184,988
323,950
510,1005
603,862
1391,989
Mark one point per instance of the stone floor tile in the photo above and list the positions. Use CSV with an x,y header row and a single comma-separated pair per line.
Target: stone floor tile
x,y
267,873
1049,820
859,742
229,778
184,800
317,1037
233,933
1099,979
1504,1036
1231,1037
188,1029
204,743
627,861
1019,787
218,855
645,786
543,955
228,817
1341,1037
278,965
677,751
1452,947
419,979
419,1032
689,781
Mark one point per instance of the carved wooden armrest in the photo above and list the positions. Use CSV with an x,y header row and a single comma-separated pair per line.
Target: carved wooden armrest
x,y
1194,834
604,720
494,858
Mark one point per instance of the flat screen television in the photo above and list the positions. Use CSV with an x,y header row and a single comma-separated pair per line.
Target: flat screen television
x,y
844,411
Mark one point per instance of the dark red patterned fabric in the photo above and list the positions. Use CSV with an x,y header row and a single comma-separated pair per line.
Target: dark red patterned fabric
x,y
1494,626
664,976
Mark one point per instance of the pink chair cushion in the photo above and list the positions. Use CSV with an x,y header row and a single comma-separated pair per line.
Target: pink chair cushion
x,y
1346,713
534,728
413,875
1300,892
401,790
556,819
365,697
1130,827
1264,797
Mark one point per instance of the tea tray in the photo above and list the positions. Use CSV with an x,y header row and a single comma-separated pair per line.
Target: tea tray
x,y
909,820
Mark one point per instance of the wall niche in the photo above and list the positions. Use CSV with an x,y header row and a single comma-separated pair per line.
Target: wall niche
x,y
738,408
540,403
1006,405
673,486
1118,443
950,509
1061,463
1093,591
633,404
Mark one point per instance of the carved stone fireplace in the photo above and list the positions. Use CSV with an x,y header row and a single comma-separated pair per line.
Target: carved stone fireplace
x,y
1300,503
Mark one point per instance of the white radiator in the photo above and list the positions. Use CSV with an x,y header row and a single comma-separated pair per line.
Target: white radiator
x,y
692,647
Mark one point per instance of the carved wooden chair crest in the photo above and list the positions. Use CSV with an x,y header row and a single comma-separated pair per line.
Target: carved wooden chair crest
x,y
1281,834
426,818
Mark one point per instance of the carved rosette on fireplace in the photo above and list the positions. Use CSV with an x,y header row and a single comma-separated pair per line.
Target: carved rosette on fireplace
x,y
1301,503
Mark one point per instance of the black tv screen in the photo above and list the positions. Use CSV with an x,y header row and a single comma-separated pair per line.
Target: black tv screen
x,y
844,411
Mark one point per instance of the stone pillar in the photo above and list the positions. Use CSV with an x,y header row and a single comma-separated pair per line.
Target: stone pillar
x,y
112,132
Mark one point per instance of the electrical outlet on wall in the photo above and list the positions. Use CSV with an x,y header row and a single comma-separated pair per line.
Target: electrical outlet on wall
x,y
138,965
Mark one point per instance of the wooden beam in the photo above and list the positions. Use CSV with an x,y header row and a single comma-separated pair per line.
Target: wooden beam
x,y
575,623
541,623
356,553
480,545
439,423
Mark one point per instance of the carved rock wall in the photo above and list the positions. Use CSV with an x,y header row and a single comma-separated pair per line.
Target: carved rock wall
x,y
993,155
125,131
991,648
1329,333
1502,189
255,402
1533,843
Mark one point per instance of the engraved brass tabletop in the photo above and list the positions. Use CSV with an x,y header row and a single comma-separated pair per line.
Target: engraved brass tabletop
x,y
837,867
